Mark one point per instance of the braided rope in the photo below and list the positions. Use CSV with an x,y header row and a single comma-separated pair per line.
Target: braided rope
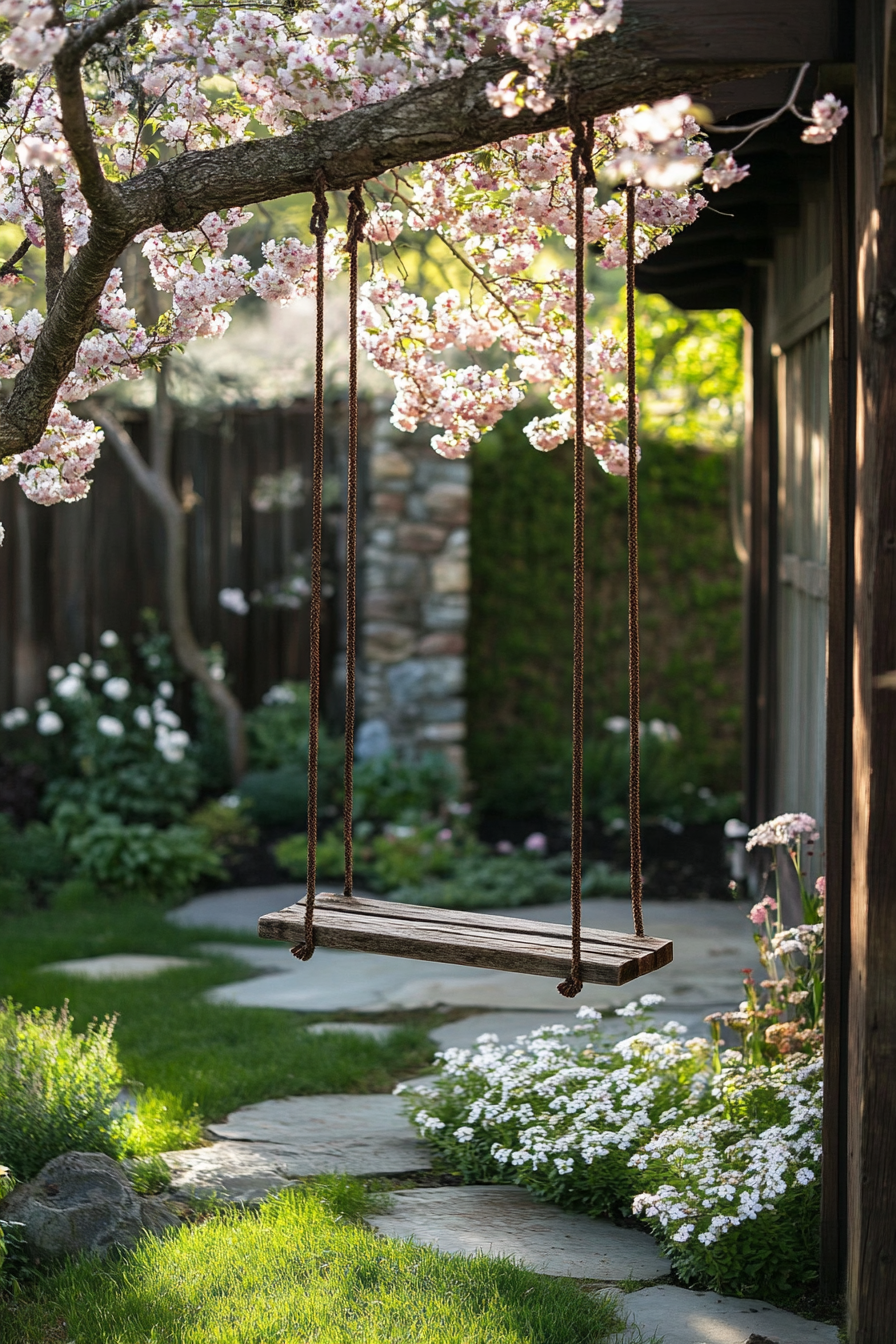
x,y
582,170
320,211
357,218
634,643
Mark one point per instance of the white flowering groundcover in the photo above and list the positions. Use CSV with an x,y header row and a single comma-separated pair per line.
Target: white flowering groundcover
x,y
722,1159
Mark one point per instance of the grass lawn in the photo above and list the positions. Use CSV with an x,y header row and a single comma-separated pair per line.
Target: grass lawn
x,y
302,1269
194,1061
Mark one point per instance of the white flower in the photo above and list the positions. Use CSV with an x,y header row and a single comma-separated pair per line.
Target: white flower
x,y
142,717
683,1232
109,726
651,1000
100,670
804,1176
279,695
617,723
75,670
230,800
170,745
234,599
55,672
783,830
117,688
109,639
49,723
165,689
464,1134
69,687
629,1010
42,704
84,659
14,718
167,717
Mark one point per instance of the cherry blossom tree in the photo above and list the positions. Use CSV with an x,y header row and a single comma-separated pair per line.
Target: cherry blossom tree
x,y
155,126
159,123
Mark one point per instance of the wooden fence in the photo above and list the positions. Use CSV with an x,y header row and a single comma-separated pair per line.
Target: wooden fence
x,y
69,572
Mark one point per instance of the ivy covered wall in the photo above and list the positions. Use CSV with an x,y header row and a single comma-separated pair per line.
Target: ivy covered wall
x,y
520,641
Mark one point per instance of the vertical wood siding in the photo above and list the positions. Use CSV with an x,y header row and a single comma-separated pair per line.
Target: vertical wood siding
x,y
802,294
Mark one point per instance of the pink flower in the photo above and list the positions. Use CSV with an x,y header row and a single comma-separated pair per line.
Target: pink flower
x,y
503,847
759,913
445,833
820,886
536,843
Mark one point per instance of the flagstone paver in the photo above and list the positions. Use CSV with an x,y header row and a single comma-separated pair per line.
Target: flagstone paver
x,y
505,1220
713,943
376,1031
681,1316
265,1146
119,966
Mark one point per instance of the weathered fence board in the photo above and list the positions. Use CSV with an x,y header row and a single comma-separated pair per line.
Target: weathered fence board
x,y
70,572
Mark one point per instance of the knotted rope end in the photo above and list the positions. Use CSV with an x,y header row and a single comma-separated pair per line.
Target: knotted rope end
x,y
303,951
569,987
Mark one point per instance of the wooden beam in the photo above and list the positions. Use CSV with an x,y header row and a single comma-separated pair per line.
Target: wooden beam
x,y
871,1193
751,30
838,773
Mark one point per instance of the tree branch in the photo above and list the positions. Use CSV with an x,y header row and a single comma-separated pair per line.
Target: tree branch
x,y
54,235
443,118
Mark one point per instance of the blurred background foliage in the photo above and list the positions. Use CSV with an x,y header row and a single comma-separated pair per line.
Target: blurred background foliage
x,y
520,655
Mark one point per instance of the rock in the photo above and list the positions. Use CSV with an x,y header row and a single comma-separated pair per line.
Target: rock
x,y
390,467
448,503
436,645
505,1220
682,1316
120,966
426,678
420,537
450,575
388,643
83,1203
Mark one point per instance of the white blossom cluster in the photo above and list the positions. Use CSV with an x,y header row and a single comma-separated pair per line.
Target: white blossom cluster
x,y
717,1170
697,1142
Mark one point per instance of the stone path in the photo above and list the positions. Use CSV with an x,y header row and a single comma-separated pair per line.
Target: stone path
x,y
119,966
264,1147
681,1316
505,1220
713,943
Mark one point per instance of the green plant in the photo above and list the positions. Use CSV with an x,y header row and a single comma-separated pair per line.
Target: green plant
x,y
277,734
78,893
227,824
498,881
57,1088
189,1060
140,861
304,1268
292,854
32,861
276,797
520,643
391,788
149,1175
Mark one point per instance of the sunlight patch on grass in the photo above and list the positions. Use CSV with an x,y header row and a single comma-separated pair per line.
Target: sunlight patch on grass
x,y
301,1270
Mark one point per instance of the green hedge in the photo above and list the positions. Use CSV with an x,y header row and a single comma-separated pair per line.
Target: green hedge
x,y
520,654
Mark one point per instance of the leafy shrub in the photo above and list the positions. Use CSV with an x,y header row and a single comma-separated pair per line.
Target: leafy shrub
x,y
276,797
226,824
57,1089
277,734
32,861
292,855
140,861
108,739
502,882
78,893
389,788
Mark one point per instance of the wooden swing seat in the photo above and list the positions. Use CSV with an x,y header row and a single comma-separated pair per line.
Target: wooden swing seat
x,y
465,938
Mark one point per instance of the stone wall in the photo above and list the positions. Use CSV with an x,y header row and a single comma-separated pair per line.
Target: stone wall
x,y
415,577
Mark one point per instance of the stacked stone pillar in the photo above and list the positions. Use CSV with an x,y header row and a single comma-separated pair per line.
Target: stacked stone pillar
x,y
414,563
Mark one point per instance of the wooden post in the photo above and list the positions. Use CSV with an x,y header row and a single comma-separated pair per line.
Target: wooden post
x,y
838,772
871,1066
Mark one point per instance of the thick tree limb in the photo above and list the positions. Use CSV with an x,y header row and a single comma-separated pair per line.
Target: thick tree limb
x,y
429,123
54,235
155,481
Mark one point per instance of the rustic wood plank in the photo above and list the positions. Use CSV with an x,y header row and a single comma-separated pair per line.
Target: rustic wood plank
x,y
627,944
756,30
467,938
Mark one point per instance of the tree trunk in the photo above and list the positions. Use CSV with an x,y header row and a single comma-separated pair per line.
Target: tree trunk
x,y
154,479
